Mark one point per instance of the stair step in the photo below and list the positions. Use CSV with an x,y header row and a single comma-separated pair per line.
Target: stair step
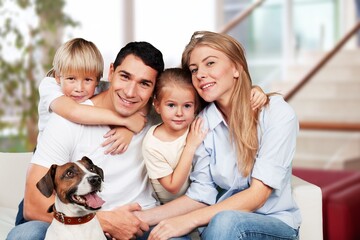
x,y
326,74
327,150
342,58
346,110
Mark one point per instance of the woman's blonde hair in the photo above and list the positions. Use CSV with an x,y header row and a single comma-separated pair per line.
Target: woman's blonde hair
x,y
242,120
77,55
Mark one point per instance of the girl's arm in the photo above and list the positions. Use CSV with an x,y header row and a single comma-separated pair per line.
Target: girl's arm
x,y
173,182
85,114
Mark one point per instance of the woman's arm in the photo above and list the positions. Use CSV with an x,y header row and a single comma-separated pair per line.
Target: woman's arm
x,y
173,182
247,200
85,114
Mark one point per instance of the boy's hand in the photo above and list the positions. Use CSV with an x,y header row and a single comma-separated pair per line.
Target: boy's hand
x,y
257,98
119,139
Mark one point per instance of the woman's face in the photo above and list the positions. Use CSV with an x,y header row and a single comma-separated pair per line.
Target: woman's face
x,y
213,74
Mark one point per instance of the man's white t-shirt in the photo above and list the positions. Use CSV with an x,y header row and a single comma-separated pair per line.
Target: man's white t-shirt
x,y
125,177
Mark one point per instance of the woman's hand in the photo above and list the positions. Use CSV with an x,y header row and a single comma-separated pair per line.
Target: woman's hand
x,y
172,227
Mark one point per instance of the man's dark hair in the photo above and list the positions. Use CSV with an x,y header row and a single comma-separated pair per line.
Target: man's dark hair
x,y
150,55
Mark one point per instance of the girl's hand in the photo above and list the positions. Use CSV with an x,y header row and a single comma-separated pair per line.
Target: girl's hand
x,y
119,139
196,133
257,98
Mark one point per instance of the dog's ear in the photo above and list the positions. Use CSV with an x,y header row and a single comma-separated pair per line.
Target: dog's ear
x,y
98,170
46,183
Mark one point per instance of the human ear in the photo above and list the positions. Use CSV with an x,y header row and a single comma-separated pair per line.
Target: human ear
x,y
111,72
57,79
156,106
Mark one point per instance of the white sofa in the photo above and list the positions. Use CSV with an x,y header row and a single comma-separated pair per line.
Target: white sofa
x,y
13,167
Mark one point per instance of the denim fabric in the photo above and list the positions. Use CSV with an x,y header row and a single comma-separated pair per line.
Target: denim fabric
x,y
242,225
32,230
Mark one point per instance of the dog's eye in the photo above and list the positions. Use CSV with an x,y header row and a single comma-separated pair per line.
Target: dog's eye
x,y
69,174
92,169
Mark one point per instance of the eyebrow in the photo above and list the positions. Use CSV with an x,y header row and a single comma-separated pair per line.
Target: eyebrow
x,y
142,80
203,60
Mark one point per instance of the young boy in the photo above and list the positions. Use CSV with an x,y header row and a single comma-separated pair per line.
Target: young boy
x,y
77,69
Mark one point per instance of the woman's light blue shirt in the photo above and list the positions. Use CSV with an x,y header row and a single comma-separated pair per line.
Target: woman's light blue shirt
x,y
216,177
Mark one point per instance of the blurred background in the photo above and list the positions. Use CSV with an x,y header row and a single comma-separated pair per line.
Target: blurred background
x,y
305,49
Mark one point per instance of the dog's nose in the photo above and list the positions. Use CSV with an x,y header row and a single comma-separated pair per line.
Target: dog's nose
x,y
94,181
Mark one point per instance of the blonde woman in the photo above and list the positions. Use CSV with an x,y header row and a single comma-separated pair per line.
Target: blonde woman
x,y
240,185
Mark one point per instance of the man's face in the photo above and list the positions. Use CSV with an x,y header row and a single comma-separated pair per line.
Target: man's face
x,y
132,85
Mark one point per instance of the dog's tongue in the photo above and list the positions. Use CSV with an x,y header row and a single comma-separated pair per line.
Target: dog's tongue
x,y
94,201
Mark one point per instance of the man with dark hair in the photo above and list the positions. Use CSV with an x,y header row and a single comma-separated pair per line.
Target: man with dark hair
x,y
132,79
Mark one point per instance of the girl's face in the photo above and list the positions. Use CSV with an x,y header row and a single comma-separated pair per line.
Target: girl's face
x,y
78,86
213,74
176,108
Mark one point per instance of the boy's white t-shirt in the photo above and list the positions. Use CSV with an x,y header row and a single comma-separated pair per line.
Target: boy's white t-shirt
x,y
49,90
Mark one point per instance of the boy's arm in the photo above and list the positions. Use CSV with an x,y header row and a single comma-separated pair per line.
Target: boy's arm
x,y
86,114
173,182
119,138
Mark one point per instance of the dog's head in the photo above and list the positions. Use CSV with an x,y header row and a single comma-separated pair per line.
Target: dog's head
x,y
74,183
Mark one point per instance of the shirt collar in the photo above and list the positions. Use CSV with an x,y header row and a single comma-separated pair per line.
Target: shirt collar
x,y
214,116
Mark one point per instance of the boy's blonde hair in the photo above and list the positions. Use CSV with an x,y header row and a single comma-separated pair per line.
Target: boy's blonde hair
x,y
77,55
242,120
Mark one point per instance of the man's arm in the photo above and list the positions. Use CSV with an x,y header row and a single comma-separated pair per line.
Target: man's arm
x,y
36,204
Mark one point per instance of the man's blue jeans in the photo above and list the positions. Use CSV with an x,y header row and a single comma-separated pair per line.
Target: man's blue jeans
x,y
238,225
36,230
32,230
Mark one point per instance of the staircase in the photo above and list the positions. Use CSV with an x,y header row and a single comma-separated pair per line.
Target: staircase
x,y
332,95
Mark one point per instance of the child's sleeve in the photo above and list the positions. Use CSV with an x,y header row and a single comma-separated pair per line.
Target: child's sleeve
x,y
49,90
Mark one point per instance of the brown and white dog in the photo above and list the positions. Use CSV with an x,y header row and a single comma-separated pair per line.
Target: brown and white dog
x,y
76,185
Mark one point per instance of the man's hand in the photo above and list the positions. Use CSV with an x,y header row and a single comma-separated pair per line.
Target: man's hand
x,y
121,223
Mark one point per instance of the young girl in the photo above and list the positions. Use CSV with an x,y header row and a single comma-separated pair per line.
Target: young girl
x,y
169,147
241,183
77,70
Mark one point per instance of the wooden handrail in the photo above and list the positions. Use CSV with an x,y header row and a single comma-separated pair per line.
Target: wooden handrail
x,y
322,62
332,126
241,16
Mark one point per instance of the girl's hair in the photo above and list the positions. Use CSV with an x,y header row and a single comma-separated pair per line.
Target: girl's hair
x,y
242,120
178,77
77,55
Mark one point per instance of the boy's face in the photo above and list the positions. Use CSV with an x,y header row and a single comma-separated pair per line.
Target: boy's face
x,y
132,85
78,86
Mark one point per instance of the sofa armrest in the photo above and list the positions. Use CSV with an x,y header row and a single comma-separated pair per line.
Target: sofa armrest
x,y
13,167
309,199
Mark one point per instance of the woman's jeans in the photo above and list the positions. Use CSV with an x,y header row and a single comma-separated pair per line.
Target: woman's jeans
x,y
242,225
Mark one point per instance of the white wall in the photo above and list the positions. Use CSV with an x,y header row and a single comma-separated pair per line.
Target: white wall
x,y
168,25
